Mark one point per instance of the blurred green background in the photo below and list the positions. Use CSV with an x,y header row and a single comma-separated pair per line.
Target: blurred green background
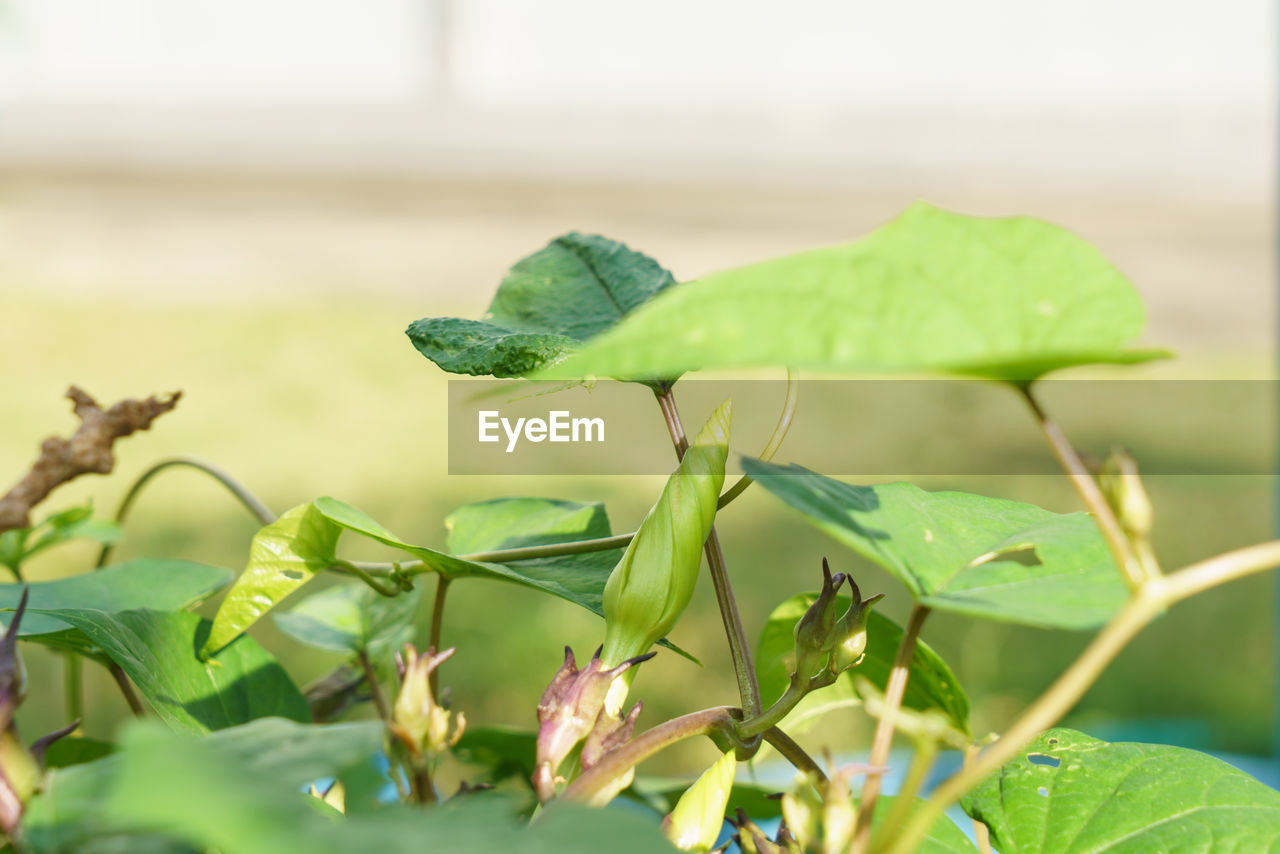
x,y
278,308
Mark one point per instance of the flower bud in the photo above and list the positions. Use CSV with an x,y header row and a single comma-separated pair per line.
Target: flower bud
x,y
851,631
815,631
653,582
417,719
1122,487
802,813
695,823
571,709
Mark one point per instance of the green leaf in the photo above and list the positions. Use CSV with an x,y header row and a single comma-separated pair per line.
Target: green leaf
x,y
575,288
1068,792
931,684
661,793
230,807
968,554
283,556
504,752
508,523
351,618
930,291
161,584
19,545
157,651
76,750
72,812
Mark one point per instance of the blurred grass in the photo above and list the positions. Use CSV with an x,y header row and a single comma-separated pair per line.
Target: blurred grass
x,y
301,400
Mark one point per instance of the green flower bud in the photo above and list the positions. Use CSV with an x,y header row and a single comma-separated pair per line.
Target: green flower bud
x,y
815,631
653,582
417,719
1123,490
851,631
695,823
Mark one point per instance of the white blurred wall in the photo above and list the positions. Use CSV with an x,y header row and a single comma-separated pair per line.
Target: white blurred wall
x,y
1172,97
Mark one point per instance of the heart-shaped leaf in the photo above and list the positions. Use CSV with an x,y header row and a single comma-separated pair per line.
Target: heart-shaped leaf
x,y
1068,793
931,684
157,650
932,290
969,554
573,289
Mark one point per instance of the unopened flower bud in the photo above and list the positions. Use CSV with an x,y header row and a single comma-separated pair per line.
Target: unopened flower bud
x,y
851,631
696,821
1122,487
752,840
815,631
802,813
417,719
569,711
653,582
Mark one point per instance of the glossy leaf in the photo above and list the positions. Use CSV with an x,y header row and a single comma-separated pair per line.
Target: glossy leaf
x,y
1069,793
969,554
161,584
157,651
573,289
352,617
283,556
932,290
931,684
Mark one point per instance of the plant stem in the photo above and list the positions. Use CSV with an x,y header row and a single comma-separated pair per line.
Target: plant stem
x,y
72,686
796,755
883,739
243,495
981,833
775,441
551,550
1146,604
926,750
375,687
773,715
436,630
1133,570
622,759
739,650
130,696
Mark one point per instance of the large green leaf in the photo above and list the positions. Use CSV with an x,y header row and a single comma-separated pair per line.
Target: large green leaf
x,y
227,806
931,684
575,288
157,650
930,291
283,556
969,554
161,584
352,618
72,810
1070,793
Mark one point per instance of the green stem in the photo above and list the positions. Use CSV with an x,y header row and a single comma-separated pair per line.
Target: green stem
x,y
883,739
739,650
375,687
243,495
772,716
436,630
1151,599
926,750
796,755
1133,570
620,760
775,441
130,696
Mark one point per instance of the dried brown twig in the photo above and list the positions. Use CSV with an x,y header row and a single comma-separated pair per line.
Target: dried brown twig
x,y
87,452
